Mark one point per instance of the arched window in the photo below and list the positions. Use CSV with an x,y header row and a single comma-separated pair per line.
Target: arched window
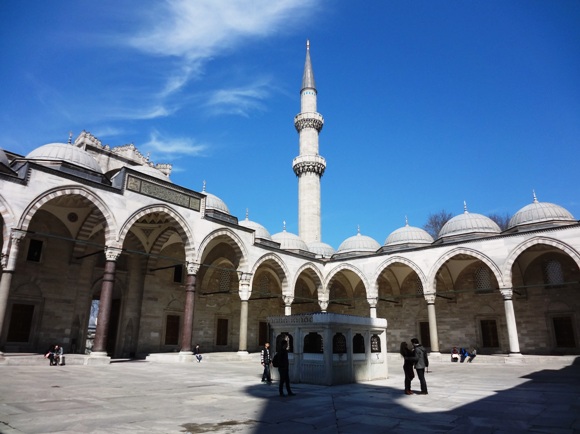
x,y
313,343
375,344
553,274
225,280
339,344
483,281
358,344
418,285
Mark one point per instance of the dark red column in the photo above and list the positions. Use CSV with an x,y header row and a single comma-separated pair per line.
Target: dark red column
x,y
186,333
105,301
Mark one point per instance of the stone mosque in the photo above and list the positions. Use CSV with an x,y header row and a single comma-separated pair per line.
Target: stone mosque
x,y
103,254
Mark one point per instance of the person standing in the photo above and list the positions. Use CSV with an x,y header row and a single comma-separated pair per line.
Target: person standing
x,y
421,363
283,370
266,360
409,360
197,353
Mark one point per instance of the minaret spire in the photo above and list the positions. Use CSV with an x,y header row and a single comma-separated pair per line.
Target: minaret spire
x,y
309,166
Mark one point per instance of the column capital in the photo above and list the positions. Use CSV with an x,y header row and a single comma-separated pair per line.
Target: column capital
x,y
323,305
192,267
17,234
288,300
373,301
112,253
507,293
430,298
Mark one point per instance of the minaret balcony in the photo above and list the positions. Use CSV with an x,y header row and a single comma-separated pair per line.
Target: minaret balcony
x,y
309,163
308,120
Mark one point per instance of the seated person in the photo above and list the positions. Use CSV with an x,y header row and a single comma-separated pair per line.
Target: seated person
x,y
454,354
472,354
50,355
463,354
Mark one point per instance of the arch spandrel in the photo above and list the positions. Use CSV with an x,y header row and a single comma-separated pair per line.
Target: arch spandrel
x,y
432,279
398,260
182,229
109,220
522,247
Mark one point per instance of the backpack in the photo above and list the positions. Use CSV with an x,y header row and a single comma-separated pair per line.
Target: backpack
x,y
276,360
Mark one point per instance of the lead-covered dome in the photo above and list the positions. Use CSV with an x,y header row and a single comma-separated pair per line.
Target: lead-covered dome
x,y
469,224
321,249
289,241
62,152
259,230
409,235
358,243
214,202
540,213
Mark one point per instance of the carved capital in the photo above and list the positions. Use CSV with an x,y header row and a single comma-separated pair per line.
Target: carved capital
x,y
192,267
288,299
112,253
17,235
373,301
323,305
507,293
430,298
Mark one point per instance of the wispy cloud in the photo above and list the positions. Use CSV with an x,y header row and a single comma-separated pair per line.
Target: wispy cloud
x,y
240,101
173,147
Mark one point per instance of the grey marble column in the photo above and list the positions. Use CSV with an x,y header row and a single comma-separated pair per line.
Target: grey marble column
x,y
510,317
8,267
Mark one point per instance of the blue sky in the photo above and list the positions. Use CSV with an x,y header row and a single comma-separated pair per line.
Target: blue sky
x,y
426,103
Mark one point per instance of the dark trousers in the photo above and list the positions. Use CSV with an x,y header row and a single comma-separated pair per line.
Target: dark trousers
x,y
409,375
266,374
284,379
421,375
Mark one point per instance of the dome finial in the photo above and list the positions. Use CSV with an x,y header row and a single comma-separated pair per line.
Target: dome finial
x,y
358,229
465,207
284,225
203,189
534,194
247,212
308,44
406,221
70,137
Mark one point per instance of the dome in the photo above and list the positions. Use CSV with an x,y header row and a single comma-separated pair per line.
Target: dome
x,y
214,202
539,212
260,231
65,152
409,235
151,171
289,241
320,248
359,243
469,223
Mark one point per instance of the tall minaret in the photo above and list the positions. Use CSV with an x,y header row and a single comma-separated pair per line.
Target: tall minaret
x,y
309,165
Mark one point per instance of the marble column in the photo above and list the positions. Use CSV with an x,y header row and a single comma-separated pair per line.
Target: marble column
x,y
373,306
8,267
433,335
510,317
288,300
187,330
105,302
244,291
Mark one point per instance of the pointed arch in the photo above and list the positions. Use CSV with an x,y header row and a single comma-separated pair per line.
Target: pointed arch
x,y
464,251
108,218
182,229
520,248
394,260
307,266
275,258
9,222
235,242
344,267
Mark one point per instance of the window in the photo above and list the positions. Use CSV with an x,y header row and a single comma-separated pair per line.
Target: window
x,y
225,280
20,323
339,344
313,343
418,285
178,274
358,344
263,333
553,274
483,282
172,330
34,251
489,336
425,336
375,344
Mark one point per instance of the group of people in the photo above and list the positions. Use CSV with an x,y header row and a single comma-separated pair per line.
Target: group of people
x,y
55,355
415,357
463,354
281,363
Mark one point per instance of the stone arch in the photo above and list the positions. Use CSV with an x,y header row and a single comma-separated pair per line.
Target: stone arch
x,y
275,258
464,251
235,242
307,266
393,260
183,228
9,222
108,217
343,267
515,253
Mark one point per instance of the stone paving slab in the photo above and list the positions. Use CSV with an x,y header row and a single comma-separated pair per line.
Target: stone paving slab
x,y
227,397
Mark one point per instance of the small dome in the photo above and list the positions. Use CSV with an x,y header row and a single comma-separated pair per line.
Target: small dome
x,y
289,241
151,171
409,235
469,223
260,231
320,248
540,212
65,152
214,202
359,243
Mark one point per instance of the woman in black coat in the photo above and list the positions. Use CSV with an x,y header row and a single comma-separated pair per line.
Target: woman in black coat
x,y
410,359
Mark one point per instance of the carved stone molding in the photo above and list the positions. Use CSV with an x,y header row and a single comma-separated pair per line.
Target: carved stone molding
x,y
507,293
112,253
192,267
430,298
308,120
287,300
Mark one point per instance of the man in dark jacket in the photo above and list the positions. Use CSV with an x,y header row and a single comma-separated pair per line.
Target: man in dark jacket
x,y
421,364
283,366
266,360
